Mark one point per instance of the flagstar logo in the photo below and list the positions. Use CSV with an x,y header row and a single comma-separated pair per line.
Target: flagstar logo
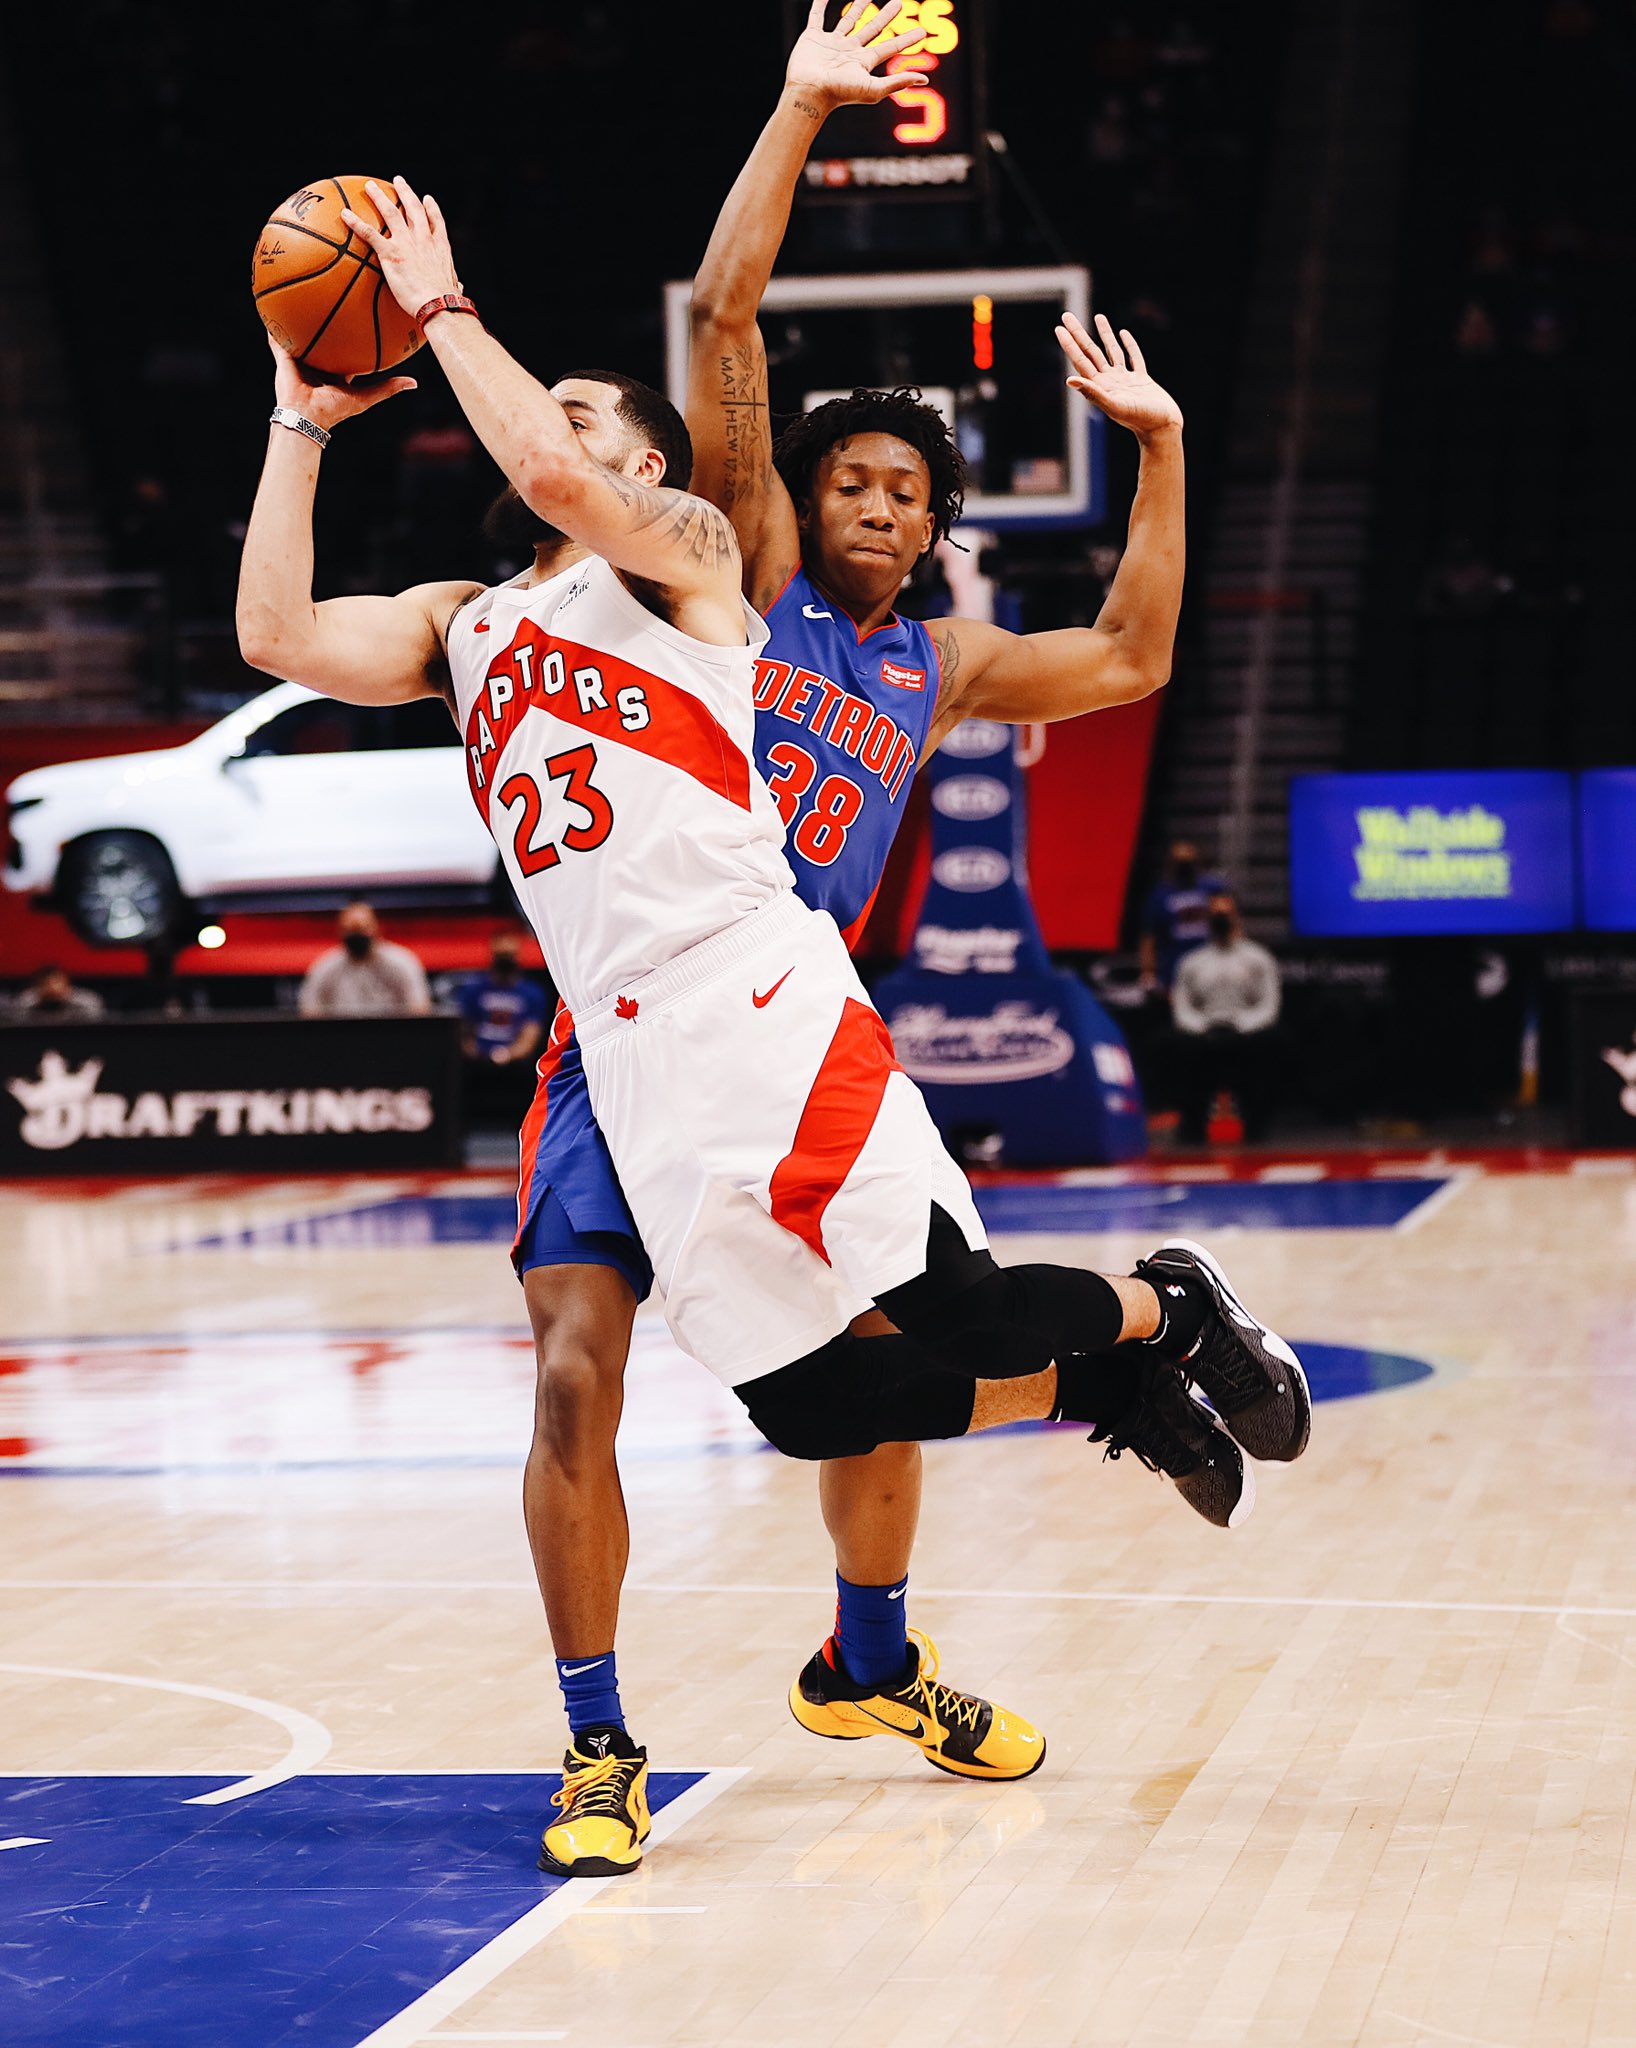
x,y
902,677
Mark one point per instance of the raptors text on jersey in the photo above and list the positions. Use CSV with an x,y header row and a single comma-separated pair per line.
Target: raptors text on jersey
x,y
612,758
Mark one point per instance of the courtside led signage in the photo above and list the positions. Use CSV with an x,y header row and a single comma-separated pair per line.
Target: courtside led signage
x,y
1607,848
1381,856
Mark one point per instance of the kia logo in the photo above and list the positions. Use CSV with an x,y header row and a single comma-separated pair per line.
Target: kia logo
x,y
976,739
971,796
971,869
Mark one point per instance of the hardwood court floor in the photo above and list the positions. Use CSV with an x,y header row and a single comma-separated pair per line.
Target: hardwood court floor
x,y
1359,1773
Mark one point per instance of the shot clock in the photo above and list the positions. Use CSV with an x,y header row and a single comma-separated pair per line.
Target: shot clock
x,y
924,142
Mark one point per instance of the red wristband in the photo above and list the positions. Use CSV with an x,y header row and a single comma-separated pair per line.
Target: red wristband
x,y
445,302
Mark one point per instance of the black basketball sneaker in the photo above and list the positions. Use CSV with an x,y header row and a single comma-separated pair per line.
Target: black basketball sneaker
x,y
1249,1375
1173,1433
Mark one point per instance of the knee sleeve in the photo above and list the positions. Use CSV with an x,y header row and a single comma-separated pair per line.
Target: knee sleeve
x,y
856,1394
1001,1322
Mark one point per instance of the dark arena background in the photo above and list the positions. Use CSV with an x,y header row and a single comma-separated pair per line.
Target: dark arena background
x,y
1323,954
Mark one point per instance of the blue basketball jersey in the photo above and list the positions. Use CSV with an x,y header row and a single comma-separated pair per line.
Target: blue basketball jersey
x,y
841,724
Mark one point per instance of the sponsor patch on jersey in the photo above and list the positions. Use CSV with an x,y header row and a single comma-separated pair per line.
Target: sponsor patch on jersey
x,y
901,677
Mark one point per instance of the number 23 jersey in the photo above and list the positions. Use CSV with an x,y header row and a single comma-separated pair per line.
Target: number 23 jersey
x,y
612,757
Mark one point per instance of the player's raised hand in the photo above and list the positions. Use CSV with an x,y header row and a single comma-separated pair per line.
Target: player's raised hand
x,y
1110,372
412,248
326,401
847,63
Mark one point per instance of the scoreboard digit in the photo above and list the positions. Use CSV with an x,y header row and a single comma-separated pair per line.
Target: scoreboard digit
x,y
924,142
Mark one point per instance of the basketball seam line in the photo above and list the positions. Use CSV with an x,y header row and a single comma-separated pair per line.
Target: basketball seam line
x,y
298,228
307,276
341,298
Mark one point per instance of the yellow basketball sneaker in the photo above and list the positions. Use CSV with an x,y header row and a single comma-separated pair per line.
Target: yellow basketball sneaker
x,y
605,1818
957,1732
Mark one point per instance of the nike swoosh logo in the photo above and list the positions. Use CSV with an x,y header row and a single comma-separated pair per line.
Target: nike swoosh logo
x,y
573,1670
811,611
481,626
761,1002
915,1734
897,1592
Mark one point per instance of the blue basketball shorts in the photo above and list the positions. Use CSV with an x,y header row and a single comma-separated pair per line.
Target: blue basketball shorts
x,y
571,1210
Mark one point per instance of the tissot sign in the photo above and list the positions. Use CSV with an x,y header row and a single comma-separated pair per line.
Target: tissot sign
x,y
922,142
239,1093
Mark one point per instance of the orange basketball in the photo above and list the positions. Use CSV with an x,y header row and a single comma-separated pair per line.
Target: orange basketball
x,y
319,289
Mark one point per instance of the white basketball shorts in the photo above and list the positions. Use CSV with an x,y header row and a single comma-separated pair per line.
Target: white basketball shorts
x,y
780,1165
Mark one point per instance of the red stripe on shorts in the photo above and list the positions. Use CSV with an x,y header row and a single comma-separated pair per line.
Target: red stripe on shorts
x,y
839,1114
528,1148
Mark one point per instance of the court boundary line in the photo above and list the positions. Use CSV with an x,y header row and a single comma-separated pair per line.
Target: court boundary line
x,y
310,1740
444,1998
665,1590
1454,1181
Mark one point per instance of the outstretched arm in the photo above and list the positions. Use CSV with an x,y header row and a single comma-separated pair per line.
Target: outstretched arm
x,y
1029,678
366,650
664,537
727,412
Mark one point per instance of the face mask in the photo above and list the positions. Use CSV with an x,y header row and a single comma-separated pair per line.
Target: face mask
x,y
504,967
1221,925
358,944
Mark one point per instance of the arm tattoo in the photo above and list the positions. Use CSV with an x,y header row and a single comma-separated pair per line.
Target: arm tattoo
x,y
745,462
947,643
703,535
697,532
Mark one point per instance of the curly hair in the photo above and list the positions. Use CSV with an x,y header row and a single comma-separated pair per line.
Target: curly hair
x,y
810,436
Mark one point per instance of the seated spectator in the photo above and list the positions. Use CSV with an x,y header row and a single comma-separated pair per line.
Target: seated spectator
x,y
365,975
51,997
1177,916
1224,1002
502,1020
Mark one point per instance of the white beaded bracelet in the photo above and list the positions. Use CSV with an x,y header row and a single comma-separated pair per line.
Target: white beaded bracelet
x,y
298,423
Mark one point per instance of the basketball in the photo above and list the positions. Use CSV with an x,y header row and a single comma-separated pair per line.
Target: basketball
x,y
319,289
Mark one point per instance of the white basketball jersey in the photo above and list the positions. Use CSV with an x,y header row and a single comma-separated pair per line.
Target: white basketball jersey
x,y
612,757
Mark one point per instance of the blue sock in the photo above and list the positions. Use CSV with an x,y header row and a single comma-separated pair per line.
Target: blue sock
x,y
871,1630
590,1691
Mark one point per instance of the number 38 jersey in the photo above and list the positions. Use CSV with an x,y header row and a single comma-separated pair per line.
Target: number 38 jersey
x,y
841,725
612,758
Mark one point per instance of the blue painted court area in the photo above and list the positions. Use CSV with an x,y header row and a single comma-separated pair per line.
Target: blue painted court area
x,y
1335,1372
1167,1207
1191,1208
311,1912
